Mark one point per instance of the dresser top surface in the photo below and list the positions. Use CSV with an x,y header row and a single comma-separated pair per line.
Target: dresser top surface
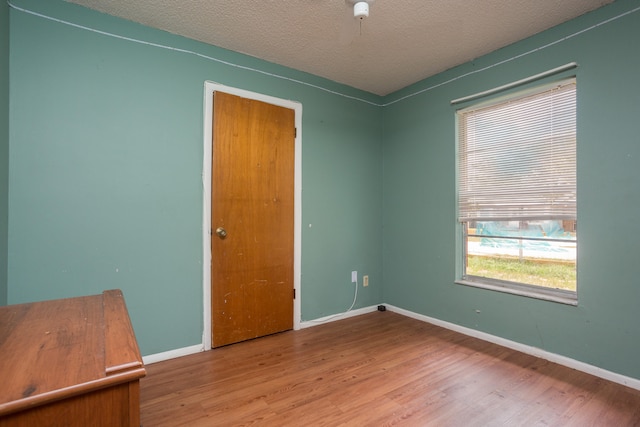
x,y
53,348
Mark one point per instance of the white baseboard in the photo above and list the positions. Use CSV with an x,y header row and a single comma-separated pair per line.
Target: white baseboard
x,y
185,351
527,349
339,316
172,354
533,351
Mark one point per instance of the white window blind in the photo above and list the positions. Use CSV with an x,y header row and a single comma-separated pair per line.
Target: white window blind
x,y
517,158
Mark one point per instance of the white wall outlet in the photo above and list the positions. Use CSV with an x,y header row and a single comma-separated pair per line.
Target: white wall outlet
x,y
354,277
365,280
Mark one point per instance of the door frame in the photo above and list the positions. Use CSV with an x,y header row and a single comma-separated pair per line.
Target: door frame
x,y
209,88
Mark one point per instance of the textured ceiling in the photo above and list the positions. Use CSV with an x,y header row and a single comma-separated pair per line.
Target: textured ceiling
x,y
402,41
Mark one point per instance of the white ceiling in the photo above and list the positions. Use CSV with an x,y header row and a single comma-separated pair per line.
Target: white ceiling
x,y
402,41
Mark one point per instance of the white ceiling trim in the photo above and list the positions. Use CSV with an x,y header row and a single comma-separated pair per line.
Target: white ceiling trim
x,y
211,58
400,43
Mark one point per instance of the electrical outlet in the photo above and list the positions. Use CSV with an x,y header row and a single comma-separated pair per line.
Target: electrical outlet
x,y
365,280
354,277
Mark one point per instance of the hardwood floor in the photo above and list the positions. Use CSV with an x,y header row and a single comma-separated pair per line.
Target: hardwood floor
x,y
377,369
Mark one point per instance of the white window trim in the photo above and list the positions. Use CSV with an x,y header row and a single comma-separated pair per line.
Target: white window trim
x,y
515,288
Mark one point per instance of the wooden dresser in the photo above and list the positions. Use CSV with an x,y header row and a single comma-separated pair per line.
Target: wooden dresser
x,y
69,362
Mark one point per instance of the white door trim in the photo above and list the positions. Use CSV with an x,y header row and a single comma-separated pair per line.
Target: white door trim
x,y
209,88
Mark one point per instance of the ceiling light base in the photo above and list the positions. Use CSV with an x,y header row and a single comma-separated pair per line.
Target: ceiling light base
x,y
360,8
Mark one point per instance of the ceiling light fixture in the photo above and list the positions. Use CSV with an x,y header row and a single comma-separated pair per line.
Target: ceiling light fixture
x,y
360,8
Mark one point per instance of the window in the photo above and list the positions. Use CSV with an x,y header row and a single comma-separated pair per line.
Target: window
x,y
517,193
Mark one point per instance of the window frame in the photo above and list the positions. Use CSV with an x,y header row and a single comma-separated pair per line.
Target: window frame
x,y
462,278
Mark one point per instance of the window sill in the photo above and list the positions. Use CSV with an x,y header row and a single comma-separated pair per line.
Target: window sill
x,y
553,295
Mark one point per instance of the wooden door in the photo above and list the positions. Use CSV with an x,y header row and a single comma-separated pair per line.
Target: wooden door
x,y
252,213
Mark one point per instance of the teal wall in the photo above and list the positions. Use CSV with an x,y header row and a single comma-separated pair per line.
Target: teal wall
x,y
105,185
106,162
4,147
420,195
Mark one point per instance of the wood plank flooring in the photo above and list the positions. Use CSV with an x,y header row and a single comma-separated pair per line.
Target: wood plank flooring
x,y
378,369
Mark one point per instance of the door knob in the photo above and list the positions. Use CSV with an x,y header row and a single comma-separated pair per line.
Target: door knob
x,y
221,232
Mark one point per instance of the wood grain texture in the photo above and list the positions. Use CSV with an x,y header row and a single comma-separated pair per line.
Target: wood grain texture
x,y
106,407
50,346
56,368
374,370
253,200
120,348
